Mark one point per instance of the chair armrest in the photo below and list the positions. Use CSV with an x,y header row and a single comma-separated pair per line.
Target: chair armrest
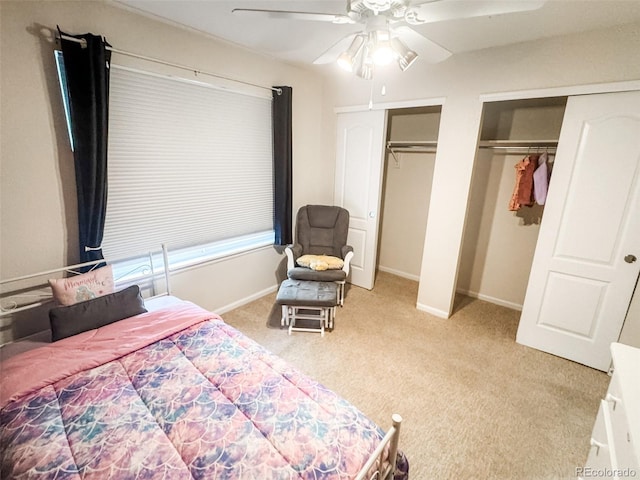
x,y
346,249
347,252
292,252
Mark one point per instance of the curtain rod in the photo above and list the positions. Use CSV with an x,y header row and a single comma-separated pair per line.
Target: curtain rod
x,y
176,65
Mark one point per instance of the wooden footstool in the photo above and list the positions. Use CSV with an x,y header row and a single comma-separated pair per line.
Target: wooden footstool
x,y
307,301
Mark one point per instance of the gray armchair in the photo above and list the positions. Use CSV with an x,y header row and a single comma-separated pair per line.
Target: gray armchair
x,y
321,230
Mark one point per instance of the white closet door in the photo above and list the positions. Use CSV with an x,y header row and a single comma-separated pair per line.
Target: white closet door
x,y
584,272
360,148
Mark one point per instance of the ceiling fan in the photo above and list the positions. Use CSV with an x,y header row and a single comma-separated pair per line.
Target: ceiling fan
x,y
387,32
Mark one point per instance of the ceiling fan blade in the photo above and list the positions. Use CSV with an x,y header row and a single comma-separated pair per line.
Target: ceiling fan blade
x,y
425,48
334,51
291,15
441,10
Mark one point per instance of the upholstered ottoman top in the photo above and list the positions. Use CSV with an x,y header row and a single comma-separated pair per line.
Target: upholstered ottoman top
x,y
307,294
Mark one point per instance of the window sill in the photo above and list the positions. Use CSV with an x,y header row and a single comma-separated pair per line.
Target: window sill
x,y
194,256
134,269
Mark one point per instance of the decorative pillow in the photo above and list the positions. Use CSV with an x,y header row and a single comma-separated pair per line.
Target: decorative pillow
x,y
320,262
98,282
95,313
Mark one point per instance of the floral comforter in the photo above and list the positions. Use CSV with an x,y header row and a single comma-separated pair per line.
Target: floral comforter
x,y
174,394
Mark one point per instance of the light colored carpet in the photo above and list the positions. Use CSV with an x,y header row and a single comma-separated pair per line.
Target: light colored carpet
x,y
475,404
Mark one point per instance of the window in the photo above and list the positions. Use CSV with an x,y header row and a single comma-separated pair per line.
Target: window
x,y
190,165
62,79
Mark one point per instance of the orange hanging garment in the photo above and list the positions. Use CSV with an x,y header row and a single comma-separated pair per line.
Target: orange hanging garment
x,y
523,190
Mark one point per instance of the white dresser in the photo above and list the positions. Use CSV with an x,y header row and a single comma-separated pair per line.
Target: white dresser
x,y
615,440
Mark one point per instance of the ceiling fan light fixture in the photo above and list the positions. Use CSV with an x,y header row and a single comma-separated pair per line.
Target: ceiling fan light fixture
x,y
345,62
405,55
383,54
365,65
406,61
381,51
347,59
365,71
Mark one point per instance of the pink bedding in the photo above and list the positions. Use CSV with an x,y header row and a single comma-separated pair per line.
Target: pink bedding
x,y
174,393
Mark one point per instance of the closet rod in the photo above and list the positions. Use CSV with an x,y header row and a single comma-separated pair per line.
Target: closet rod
x,y
413,149
519,146
502,144
175,65
534,148
394,147
417,146
409,144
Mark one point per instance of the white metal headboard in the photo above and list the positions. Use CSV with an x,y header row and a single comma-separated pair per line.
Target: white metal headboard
x,y
20,293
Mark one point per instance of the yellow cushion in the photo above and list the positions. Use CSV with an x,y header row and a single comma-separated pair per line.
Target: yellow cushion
x,y
320,262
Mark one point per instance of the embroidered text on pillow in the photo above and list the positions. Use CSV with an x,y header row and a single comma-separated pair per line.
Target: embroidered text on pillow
x,y
67,291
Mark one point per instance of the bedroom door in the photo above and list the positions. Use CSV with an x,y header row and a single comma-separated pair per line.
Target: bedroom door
x,y
585,266
360,149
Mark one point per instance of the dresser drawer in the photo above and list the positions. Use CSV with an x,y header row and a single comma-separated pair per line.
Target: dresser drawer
x,y
622,448
615,440
600,453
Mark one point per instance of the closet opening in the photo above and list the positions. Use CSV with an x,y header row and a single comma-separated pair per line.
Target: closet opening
x,y
409,161
501,229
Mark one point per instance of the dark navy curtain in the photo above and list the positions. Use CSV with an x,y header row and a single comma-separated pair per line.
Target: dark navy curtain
x,y
282,165
87,72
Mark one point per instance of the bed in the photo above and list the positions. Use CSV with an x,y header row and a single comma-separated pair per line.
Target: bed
x,y
175,392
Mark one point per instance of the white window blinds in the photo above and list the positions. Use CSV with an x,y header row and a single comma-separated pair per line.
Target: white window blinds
x,y
189,164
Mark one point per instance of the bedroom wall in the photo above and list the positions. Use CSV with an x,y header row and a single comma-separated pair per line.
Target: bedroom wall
x,y
37,203
607,55
630,334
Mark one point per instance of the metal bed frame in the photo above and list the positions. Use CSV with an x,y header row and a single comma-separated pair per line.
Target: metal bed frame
x,y
144,271
382,471
23,295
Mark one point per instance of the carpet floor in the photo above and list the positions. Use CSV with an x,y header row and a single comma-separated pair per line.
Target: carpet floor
x,y
475,404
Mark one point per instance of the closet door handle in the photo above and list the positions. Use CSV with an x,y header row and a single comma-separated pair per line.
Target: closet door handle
x,y
630,258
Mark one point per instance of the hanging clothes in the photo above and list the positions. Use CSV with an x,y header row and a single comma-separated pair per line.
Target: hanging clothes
x,y
541,180
523,190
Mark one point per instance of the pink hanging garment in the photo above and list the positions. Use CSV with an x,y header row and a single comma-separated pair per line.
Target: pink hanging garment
x,y
541,180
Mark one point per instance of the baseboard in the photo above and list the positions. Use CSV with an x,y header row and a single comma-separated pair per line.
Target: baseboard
x,y
432,311
490,299
249,299
399,273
